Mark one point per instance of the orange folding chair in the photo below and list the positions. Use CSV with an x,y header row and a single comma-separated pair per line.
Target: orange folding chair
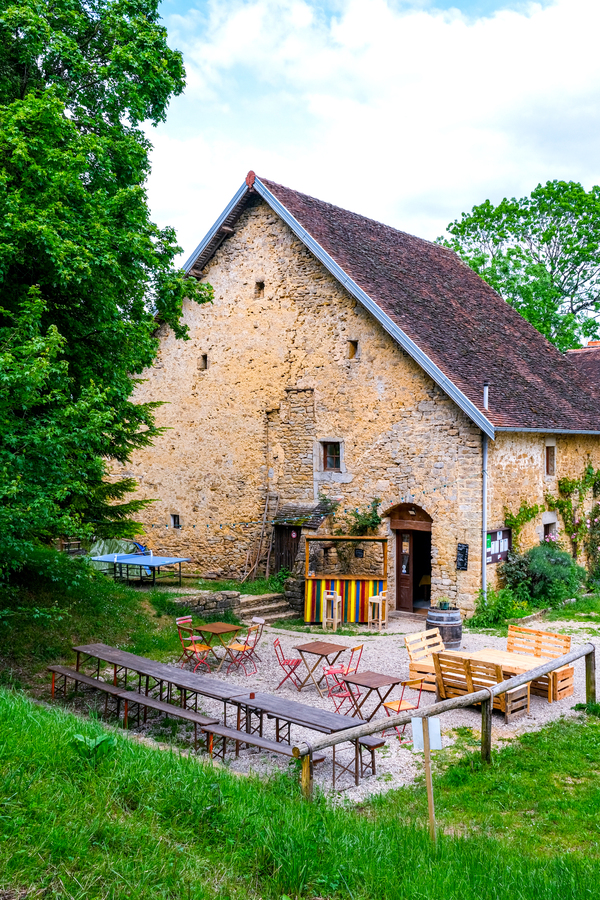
x,y
194,650
395,707
242,653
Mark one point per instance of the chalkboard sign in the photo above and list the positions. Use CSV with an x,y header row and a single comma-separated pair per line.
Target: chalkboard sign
x,y
359,553
462,557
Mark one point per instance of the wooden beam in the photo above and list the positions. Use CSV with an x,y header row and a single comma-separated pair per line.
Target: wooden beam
x,y
590,677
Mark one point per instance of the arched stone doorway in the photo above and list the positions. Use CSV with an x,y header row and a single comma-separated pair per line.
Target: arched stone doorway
x,y
412,526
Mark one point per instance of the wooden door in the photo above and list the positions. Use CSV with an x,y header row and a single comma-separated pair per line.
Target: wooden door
x,y
285,546
404,570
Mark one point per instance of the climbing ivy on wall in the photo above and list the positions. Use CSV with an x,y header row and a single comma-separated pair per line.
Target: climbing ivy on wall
x,y
570,504
518,520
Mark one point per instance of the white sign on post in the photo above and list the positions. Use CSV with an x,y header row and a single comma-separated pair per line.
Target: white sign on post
x,y
435,734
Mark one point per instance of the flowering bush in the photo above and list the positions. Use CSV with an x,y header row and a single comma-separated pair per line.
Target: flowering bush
x,y
543,576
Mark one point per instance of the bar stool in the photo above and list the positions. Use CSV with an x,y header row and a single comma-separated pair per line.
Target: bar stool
x,y
333,601
377,604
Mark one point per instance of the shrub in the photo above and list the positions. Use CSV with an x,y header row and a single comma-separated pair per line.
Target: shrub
x,y
496,608
543,576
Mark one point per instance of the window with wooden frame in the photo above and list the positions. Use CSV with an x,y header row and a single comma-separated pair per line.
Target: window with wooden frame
x,y
550,460
332,457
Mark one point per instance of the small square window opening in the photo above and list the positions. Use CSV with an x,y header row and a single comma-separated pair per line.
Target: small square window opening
x,y
352,349
175,521
550,460
259,289
203,361
550,532
331,457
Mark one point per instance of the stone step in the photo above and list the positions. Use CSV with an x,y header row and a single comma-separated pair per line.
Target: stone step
x,y
259,601
264,609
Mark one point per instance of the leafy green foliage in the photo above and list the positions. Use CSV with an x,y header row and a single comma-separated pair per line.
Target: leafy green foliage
x,y
544,575
542,254
592,543
93,750
516,521
571,506
495,607
361,521
85,276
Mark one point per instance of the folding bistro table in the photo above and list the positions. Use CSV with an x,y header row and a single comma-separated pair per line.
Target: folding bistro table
x,y
322,650
217,630
373,682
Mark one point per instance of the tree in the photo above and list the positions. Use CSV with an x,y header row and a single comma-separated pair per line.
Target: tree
x,y
542,254
85,277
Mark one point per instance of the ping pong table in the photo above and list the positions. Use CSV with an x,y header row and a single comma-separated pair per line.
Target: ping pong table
x,y
147,566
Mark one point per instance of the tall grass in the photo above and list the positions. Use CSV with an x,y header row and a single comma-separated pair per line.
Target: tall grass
x,y
144,823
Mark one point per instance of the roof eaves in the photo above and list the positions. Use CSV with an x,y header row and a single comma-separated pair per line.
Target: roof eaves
x,y
384,320
212,235
518,429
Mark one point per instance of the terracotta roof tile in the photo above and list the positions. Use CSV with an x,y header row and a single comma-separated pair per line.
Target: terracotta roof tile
x,y
463,325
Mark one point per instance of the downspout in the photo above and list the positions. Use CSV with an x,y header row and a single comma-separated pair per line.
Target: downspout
x,y
484,499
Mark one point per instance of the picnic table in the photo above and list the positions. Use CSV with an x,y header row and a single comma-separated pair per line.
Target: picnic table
x,y
321,650
146,564
290,712
214,631
188,683
372,682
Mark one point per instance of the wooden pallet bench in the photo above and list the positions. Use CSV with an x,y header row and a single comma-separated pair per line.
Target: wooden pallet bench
x,y
65,674
421,647
457,676
545,645
243,737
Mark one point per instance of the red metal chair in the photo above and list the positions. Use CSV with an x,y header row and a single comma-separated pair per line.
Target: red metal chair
x,y
288,665
337,690
244,651
395,707
194,650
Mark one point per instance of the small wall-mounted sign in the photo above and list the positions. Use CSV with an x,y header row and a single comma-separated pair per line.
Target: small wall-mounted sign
x,y
462,557
359,553
294,535
498,545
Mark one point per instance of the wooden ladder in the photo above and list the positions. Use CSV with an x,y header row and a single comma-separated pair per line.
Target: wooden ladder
x,y
263,549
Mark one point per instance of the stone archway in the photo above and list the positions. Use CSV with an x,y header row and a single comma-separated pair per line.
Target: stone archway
x,y
412,557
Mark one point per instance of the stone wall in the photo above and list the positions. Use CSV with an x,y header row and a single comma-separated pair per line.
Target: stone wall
x,y
281,378
205,603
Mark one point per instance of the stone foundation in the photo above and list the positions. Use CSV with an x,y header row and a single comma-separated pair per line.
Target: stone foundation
x,y
210,602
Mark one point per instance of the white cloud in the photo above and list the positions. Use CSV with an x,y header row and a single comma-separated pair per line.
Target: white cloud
x,y
408,114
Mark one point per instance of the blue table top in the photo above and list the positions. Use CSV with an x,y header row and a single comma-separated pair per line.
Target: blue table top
x,y
140,559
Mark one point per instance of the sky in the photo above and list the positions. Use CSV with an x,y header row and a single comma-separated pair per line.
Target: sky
x,y
407,111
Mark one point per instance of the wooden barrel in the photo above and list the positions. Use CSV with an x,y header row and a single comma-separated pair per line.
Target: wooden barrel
x,y
449,623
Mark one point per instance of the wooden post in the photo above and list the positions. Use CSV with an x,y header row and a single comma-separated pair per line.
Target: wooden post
x,y
307,776
590,677
486,730
428,781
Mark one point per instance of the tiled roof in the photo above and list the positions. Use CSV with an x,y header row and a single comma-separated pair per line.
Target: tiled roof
x,y
587,361
307,516
453,317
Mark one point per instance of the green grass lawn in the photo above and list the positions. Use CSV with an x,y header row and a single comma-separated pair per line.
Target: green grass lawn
x,y
148,823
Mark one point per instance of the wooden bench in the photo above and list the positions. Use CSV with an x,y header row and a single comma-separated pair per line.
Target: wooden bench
x,y
66,674
243,737
457,676
358,767
177,712
545,644
420,648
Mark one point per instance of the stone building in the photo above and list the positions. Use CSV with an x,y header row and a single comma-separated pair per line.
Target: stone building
x,y
344,359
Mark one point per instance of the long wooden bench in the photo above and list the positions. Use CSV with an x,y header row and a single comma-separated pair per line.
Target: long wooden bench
x,y
421,646
243,737
177,712
457,676
66,674
547,645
